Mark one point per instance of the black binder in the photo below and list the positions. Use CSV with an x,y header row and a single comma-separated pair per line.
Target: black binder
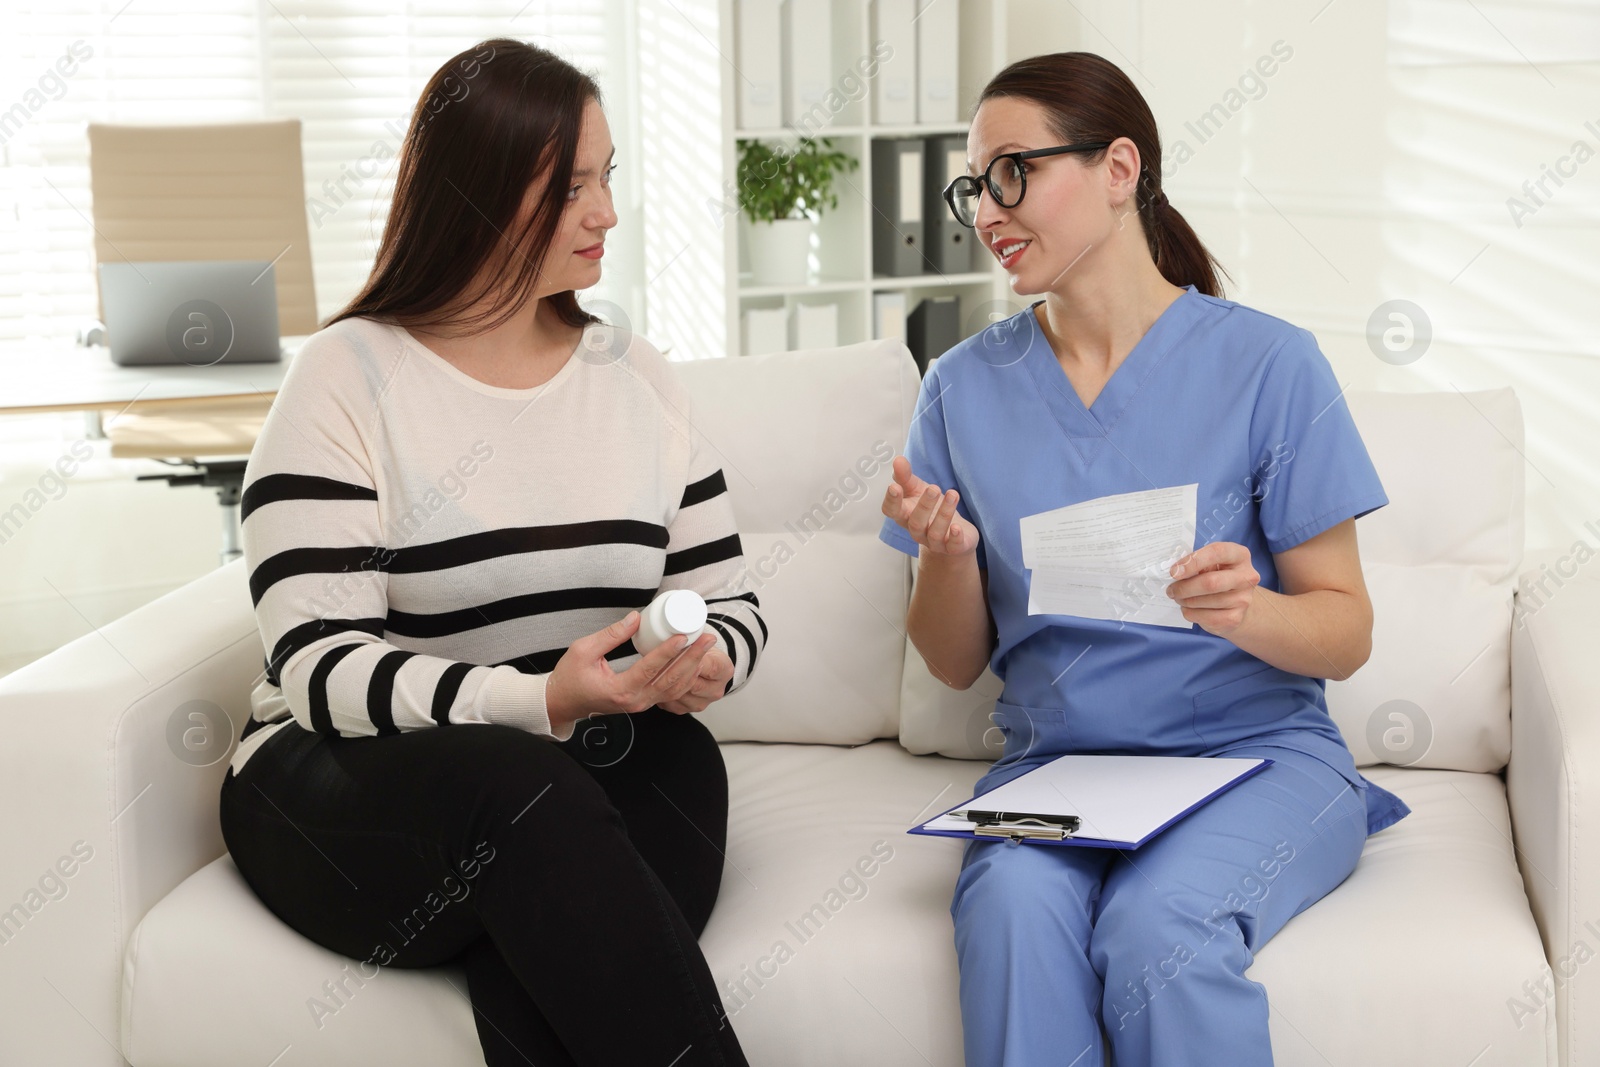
x,y
953,248
898,226
933,329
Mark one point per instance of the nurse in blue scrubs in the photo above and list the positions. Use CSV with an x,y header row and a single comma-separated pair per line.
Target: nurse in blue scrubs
x,y
1131,372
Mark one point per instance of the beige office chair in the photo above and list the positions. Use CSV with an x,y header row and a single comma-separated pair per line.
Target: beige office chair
x,y
234,191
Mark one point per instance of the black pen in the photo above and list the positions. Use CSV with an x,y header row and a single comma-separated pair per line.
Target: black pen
x,y
1066,822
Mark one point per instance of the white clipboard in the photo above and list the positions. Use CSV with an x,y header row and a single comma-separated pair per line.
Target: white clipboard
x,y
1095,801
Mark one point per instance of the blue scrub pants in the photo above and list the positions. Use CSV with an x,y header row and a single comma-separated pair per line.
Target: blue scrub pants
x,y
1056,942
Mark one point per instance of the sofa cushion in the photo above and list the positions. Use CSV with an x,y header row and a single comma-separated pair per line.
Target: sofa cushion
x,y
1427,953
1439,561
1436,690
832,940
211,977
950,722
806,440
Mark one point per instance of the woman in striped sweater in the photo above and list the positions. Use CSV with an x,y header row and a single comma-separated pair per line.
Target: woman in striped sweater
x,y
465,491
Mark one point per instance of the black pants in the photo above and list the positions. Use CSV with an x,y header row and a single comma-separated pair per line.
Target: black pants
x,y
570,880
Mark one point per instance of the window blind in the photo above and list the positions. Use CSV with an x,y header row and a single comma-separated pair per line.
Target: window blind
x,y
350,70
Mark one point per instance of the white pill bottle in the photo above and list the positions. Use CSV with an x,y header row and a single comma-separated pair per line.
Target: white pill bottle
x,y
676,611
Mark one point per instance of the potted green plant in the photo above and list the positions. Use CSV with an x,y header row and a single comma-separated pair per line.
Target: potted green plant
x,y
782,192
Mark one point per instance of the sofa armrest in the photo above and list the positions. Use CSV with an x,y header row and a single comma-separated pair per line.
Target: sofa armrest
x,y
115,747
1551,785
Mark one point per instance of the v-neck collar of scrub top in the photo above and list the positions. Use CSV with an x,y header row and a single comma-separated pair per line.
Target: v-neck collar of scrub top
x,y
1098,419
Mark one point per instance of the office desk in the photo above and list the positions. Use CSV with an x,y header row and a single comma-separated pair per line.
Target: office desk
x,y
207,417
68,377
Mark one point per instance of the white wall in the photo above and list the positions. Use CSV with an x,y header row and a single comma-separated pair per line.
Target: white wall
x,y
1377,164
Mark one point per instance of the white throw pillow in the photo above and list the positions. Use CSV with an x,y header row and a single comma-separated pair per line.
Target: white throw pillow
x,y
1440,562
806,441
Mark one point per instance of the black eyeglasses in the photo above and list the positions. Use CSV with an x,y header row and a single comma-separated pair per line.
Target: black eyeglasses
x,y
1008,187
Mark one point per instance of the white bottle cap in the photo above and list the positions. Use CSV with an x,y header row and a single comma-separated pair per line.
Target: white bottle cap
x,y
677,611
685,612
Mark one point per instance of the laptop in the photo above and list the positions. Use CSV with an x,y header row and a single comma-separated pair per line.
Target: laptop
x,y
196,312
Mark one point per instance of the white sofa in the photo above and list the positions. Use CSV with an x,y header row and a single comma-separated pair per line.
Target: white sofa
x,y
130,934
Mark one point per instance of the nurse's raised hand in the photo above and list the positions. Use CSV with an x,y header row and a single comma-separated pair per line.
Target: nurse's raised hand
x,y
928,513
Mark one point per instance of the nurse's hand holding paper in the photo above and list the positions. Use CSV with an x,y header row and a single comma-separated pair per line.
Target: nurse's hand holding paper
x,y
1217,587
928,513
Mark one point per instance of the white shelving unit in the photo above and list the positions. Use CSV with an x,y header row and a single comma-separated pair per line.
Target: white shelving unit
x,y
677,215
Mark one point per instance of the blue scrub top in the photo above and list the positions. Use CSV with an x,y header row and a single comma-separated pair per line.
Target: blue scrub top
x,y
1215,393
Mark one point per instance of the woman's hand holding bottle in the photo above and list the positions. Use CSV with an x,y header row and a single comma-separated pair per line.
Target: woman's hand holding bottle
x,y
584,684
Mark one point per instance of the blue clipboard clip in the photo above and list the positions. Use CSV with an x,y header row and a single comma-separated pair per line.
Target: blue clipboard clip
x,y
1019,824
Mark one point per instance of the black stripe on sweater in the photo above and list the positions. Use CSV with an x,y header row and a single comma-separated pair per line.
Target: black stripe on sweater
x,y
749,598
447,623
513,540
444,694
309,632
711,485
703,555
275,487
297,561
733,651
744,632
455,552
321,717
380,691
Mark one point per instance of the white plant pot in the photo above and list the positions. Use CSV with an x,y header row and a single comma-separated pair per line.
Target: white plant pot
x,y
779,251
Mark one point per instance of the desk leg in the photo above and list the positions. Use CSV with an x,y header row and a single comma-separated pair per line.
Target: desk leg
x,y
231,549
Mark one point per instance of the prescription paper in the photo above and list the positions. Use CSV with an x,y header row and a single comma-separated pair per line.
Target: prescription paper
x,y
1111,557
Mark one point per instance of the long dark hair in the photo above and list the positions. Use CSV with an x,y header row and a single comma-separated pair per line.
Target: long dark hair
x,y
1089,98
490,121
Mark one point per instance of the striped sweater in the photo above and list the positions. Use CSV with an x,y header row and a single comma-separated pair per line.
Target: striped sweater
x,y
422,547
